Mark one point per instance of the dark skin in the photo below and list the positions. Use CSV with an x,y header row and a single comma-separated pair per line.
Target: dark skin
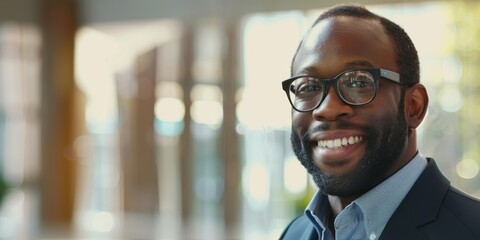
x,y
333,46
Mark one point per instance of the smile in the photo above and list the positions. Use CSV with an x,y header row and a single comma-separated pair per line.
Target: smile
x,y
339,142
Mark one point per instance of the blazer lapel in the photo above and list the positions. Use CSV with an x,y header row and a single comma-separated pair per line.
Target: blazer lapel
x,y
419,207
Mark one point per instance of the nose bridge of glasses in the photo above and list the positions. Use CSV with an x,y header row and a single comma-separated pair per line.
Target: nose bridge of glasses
x,y
331,106
331,92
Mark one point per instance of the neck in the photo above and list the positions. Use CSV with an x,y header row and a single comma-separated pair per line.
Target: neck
x,y
339,203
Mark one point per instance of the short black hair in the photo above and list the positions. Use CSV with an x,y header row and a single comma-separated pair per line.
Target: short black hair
x,y
406,53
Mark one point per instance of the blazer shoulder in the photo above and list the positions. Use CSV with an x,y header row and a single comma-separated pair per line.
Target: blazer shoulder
x,y
433,209
465,208
462,200
457,218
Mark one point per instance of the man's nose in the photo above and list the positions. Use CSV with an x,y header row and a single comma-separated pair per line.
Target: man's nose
x,y
332,108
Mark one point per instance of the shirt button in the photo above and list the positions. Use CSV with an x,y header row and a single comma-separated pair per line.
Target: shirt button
x,y
373,236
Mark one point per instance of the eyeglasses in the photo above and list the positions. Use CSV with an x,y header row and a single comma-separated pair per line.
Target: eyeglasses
x,y
355,87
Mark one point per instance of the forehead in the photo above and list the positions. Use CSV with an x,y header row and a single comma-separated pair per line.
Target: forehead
x,y
339,43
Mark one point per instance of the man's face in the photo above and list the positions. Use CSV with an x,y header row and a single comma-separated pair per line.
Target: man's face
x,y
373,136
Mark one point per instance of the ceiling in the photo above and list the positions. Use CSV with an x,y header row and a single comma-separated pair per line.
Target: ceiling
x,y
98,11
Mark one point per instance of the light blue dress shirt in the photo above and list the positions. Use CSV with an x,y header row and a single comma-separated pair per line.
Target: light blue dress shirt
x,y
366,217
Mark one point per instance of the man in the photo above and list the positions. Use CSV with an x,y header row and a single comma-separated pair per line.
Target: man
x,y
357,101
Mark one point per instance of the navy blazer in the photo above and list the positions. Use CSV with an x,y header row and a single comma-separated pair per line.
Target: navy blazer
x,y
431,210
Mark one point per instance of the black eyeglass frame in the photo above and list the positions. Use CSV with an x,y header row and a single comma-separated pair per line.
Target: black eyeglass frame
x,y
376,73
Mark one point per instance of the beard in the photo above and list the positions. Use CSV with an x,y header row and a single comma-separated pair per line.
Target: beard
x,y
385,142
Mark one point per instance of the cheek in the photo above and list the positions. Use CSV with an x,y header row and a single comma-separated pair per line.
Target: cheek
x,y
301,122
386,103
378,114
378,118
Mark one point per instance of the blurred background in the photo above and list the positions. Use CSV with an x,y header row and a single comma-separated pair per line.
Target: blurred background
x,y
164,119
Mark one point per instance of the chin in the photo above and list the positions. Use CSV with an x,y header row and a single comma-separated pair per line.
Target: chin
x,y
382,151
352,183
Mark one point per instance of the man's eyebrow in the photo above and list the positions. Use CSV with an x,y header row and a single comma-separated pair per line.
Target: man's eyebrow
x,y
312,70
359,63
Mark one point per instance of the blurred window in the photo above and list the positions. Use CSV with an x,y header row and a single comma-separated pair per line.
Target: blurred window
x,y
19,123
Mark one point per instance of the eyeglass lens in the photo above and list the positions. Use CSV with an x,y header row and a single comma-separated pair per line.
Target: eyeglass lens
x,y
354,87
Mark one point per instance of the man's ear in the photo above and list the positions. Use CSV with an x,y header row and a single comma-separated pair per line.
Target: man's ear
x,y
416,104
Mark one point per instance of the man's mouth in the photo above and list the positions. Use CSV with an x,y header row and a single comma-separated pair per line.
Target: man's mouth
x,y
339,142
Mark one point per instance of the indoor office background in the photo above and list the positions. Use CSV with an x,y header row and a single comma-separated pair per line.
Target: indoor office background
x,y
160,119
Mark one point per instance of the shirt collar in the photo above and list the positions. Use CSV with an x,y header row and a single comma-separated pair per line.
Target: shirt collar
x,y
379,204
376,213
317,212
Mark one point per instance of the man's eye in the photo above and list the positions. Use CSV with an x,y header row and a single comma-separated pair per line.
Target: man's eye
x,y
359,82
308,88
308,91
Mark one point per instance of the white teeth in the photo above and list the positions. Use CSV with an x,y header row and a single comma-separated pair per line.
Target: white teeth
x,y
339,142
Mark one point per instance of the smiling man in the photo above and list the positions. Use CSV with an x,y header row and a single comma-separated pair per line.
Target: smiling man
x,y
356,101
